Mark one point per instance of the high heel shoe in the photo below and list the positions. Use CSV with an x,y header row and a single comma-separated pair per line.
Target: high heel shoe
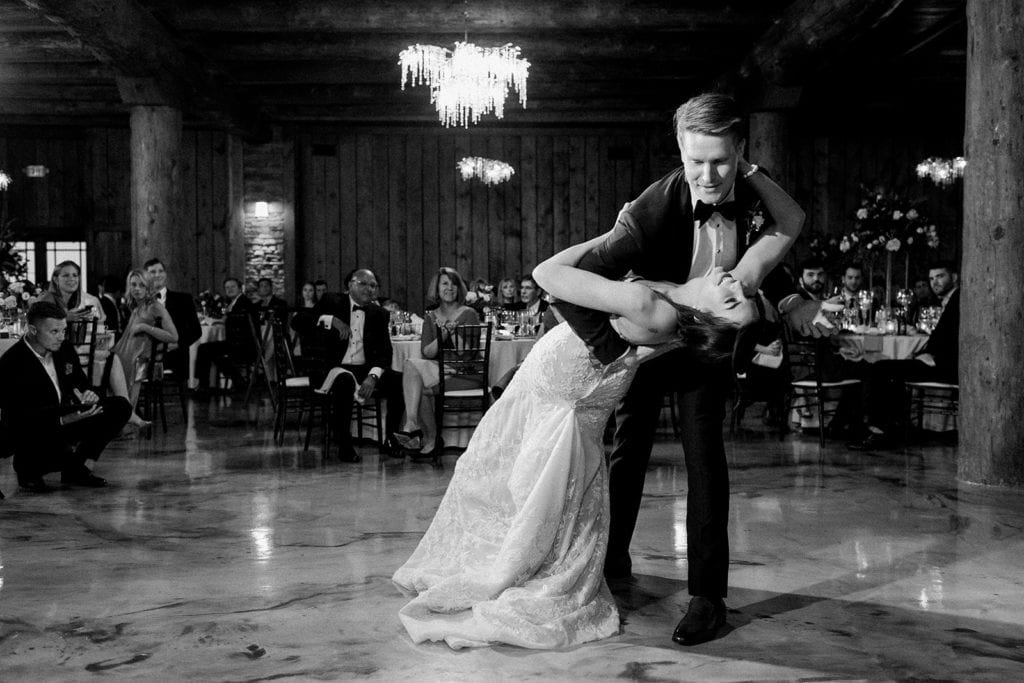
x,y
409,441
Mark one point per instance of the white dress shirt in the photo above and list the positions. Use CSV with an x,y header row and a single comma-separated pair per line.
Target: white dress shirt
x,y
49,366
714,242
354,354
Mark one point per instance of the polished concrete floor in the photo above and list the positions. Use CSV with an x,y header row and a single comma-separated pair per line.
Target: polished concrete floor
x,y
215,555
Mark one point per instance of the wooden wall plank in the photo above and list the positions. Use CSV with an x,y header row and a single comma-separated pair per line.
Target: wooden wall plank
x,y
560,197
395,278
577,189
496,228
544,201
381,263
348,214
413,240
212,277
364,206
434,204
479,229
529,216
513,227
448,184
330,233
461,257
197,231
592,179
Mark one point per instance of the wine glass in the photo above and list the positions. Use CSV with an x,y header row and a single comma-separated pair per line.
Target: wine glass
x,y
865,300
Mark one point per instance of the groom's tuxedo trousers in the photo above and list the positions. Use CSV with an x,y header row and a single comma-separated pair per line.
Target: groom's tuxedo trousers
x,y
653,238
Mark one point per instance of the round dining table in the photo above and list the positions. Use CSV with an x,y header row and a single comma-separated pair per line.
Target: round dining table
x,y
506,353
876,347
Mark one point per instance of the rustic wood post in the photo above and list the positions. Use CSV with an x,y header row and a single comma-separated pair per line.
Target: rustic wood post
x,y
991,336
156,189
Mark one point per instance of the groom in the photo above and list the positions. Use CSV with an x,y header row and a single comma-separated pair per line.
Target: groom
x,y
678,229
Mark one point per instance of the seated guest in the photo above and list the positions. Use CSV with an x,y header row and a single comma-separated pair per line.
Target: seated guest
x,y
853,277
307,296
531,297
447,309
506,293
52,419
937,361
66,291
923,297
353,333
149,320
238,344
321,288
182,309
268,302
811,285
480,296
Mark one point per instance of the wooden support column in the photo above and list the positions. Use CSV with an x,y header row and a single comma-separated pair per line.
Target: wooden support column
x,y
156,188
769,145
235,267
991,335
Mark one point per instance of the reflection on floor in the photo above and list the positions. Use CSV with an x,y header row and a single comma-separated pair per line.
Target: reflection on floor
x,y
216,555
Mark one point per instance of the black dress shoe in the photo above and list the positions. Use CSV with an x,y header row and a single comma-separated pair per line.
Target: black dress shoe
x,y
83,477
349,455
36,485
873,442
702,621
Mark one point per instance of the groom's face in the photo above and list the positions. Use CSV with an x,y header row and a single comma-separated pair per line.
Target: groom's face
x,y
710,163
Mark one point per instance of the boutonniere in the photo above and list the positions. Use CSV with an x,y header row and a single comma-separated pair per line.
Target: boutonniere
x,y
757,221
68,369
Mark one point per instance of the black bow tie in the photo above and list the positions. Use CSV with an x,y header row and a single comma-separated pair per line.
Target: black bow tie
x,y
357,307
703,211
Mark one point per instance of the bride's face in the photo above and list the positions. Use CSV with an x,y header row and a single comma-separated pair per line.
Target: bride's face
x,y
718,294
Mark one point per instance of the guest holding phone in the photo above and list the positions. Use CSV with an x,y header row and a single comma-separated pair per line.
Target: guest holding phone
x,y
53,419
66,291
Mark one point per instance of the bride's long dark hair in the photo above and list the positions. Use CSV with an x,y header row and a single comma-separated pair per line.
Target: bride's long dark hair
x,y
707,336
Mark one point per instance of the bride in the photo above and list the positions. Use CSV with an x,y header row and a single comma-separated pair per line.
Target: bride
x,y
516,549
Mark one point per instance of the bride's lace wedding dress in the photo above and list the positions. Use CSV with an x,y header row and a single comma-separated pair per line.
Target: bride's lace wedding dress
x,y
516,550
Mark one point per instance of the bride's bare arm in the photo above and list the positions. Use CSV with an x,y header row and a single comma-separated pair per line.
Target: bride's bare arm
x,y
776,241
560,276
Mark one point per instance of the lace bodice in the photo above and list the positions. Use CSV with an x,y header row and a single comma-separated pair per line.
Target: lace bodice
x,y
560,368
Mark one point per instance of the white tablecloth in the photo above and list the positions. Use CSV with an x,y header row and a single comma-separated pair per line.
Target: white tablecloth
x,y
875,347
505,354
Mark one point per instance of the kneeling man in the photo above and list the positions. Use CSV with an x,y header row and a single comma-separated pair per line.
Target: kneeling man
x,y
54,421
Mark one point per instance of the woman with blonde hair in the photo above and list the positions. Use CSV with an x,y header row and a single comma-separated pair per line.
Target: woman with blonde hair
x,y
149,320
66,291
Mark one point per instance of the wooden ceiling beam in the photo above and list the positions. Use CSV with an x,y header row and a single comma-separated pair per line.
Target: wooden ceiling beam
x,y
283,47
124,35
481,16
799,42
57,73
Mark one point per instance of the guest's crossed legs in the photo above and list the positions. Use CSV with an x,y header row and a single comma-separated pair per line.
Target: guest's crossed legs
x,y
702,390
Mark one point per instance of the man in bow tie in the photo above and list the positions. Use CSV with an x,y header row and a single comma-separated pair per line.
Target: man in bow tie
x,y
182,308
353,332
685,226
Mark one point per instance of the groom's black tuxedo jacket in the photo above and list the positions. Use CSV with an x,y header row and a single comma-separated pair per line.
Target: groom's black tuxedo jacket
x,y
653,237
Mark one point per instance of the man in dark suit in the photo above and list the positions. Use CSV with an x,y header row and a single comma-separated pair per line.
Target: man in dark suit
x,y
52,418
352,332
697,218
268,302
937,361
531,298
182,308
238,346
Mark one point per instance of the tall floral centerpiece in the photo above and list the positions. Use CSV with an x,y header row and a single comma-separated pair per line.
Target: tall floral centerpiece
x,y
885,224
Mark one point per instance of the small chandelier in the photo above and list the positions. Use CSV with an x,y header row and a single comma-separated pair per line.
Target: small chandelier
x,y
467,82
942,171
490,171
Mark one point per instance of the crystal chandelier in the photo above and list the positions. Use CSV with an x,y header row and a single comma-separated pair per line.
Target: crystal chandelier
x,y
490,171
467,82
942,171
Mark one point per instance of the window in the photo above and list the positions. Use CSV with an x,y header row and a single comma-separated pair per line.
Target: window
x,y
51,254
28,255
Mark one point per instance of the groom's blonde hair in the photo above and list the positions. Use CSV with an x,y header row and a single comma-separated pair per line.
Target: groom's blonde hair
x,y
710,114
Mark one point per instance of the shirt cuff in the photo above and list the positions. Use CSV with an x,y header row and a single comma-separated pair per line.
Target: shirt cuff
x,y
376,372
